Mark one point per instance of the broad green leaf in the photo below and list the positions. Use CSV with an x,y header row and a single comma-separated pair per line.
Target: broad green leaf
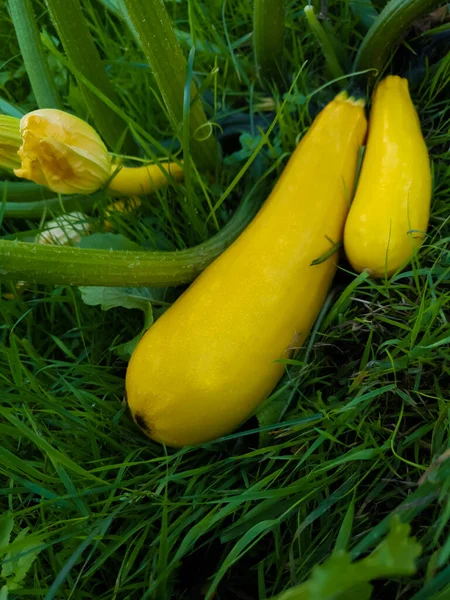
x,y
395,555
112,297
138,298
340,579
108,241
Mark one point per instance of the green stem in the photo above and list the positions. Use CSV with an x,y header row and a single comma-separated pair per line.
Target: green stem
x,y
163,52
268,38
339,49
327,47
21,191
83,55
76,266
387,31
33,54
51,207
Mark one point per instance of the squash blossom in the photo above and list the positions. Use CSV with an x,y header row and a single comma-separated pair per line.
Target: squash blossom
x,y
10,141
62,152
65,229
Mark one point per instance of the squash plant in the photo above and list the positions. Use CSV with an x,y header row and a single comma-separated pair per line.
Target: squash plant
x,y
170,69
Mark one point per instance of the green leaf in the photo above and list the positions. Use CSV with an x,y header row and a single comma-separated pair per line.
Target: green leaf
x,y
4,592
126,349
6,526
340,579
396,555
362,591
272,410
138,298
22,561
15,566
112,297
248,145
108,241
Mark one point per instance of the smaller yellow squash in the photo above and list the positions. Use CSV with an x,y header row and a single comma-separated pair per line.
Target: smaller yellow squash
x,y
389,215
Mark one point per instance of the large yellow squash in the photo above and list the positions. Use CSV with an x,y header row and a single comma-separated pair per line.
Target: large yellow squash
x,y
207,363
389,215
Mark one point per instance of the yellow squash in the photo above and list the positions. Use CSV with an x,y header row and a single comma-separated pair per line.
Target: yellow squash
x,y
207,363
389,215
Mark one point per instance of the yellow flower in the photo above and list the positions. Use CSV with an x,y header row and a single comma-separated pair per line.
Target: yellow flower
x,y
62,152
10,140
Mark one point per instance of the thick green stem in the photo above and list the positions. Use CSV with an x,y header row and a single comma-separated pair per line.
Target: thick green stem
x,y
83,55
388,30
268,38
51,207
76,266
326,46
33,54
162,50
24,191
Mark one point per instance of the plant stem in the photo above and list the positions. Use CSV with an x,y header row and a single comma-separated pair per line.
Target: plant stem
x,y
268,38
327,47
162,50
83,55
24,191
76,266
339,49
52,207
33,54
387,31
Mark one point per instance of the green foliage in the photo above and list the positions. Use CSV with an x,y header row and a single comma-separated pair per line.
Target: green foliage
x,y
32,50
355,434
142,299
16,557
268,38
340,579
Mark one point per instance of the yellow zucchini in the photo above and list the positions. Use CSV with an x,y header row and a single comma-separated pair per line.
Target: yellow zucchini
x,y
389,215
208,362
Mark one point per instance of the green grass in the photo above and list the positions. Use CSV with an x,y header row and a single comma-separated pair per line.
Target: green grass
x,y
360,416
